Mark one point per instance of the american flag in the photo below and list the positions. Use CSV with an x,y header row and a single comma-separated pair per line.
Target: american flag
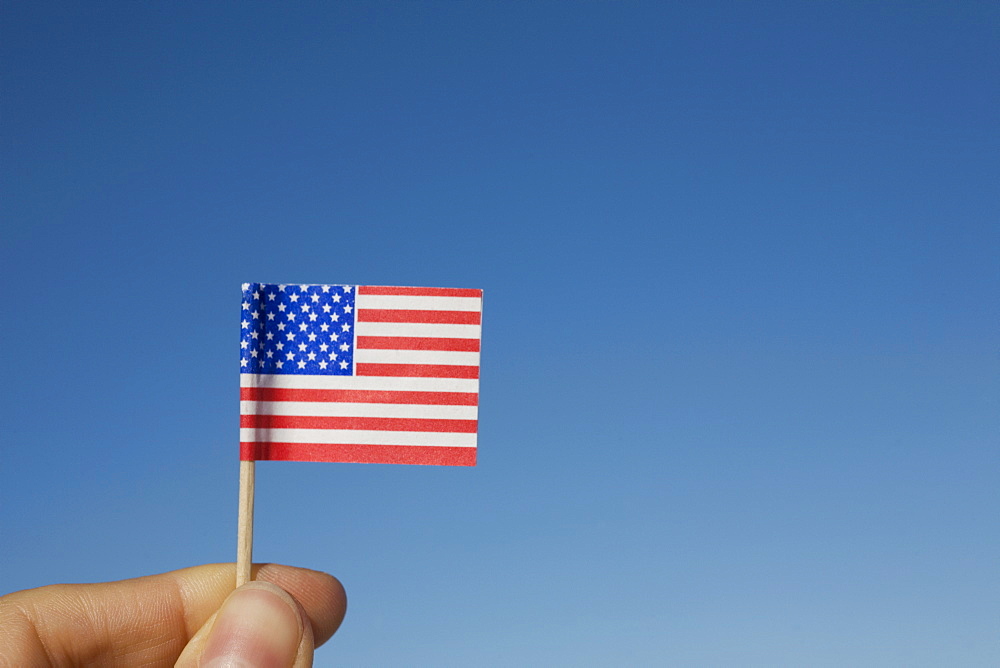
x,y
343,373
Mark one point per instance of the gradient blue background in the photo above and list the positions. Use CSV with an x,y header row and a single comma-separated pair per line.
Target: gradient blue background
x,y
740,380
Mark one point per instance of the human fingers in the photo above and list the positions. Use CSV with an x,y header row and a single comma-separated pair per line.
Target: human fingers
x,y
145,621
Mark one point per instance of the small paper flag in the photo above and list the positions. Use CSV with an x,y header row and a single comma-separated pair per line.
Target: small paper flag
x,y
344,373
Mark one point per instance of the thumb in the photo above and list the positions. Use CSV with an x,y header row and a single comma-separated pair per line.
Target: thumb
x,y
259,625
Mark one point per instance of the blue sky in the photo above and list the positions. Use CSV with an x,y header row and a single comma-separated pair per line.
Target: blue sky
x,y
740,374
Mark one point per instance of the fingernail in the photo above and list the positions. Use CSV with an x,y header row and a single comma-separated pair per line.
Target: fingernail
x,y
258,626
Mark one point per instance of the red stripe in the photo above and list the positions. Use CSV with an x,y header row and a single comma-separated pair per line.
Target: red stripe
x,y
360,396
366,423
417,343
418,292
416,370
359,454
419,315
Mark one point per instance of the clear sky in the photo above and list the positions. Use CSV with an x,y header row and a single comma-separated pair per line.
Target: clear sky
x,y
740,398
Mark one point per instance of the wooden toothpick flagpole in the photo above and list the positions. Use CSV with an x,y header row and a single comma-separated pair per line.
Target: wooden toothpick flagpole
x,y
244,538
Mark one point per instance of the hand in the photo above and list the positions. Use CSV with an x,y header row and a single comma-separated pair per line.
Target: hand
x,y
188,618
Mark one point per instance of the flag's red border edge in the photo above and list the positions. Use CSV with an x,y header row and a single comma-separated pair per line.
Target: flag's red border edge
x,y
358,454
419,292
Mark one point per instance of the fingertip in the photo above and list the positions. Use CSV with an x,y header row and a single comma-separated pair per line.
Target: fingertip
x,y
260,625
321,595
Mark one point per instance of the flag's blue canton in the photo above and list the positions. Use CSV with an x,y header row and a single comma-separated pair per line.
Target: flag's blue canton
x,y
302,329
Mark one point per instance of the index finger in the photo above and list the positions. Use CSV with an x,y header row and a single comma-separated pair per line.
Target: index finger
x,y
148,620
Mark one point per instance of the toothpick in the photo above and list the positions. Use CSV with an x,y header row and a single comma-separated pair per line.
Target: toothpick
x,y
244,537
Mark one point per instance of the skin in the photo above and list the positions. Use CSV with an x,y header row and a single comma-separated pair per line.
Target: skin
x,y
188,618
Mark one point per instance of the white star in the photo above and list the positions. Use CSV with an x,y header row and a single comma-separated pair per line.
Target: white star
x,y
326,308
343,365
347,309
302,327
281,326
253,335
290,336
281,287
280,364
244,344
345,327
270,335
347,288
270,316
270,354
323,347
245,324
312,317
294,297
256,295
344,346
302,365
312,336
243,362
315,298
272,296
290,315
280,345
305,307
290,356
302,347
334,336
304,288
311,356
281,307
335,317
324,327
246,286
253,353
246,306
333,357
256,315
322,364
326,288
336,298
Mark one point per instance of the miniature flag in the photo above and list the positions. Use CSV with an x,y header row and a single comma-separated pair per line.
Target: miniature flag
x,y
342,373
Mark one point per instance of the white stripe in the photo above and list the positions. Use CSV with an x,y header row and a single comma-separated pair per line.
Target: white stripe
x,y
306,382
356,437
337,409
416,357
417,329
418,303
